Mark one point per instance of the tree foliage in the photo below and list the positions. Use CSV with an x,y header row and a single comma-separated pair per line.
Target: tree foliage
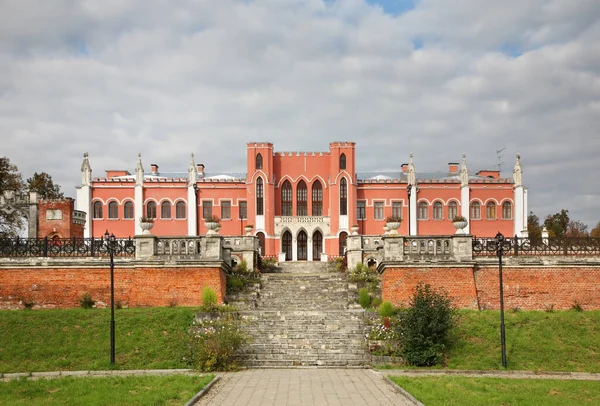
x,y
10,179
557,224
577,229
534,230
43,184
595,231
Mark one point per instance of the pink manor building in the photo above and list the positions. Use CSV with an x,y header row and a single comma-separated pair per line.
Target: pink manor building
x,y
302,205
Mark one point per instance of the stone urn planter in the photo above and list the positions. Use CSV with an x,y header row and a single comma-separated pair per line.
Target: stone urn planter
x,y
248,229
393,224
146,226
459,222
354,230
212,226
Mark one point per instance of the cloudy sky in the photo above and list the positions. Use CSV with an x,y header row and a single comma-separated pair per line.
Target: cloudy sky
x,y
434,78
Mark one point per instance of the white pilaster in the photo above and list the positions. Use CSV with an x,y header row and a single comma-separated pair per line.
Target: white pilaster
x,y
84,195
294,249
309,249
465,204
520,215
192,203
138,204
413,212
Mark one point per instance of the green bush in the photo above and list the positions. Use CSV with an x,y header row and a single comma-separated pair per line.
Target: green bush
x,y
364,298
234,283
215,343
386,309
242,267
209,298
269,265
375,302
424,326
362,273
86,301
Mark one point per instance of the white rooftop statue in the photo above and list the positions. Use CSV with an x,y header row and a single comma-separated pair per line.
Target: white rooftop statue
x,y
518,172
464,172
139,170
86,171
412,179
192,171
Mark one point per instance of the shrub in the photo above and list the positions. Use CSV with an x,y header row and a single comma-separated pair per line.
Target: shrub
x,y
424,326
577,307
362,273
364,298
234,283
242,266
215,343
86,301
209,298
375,302
269,265
386,309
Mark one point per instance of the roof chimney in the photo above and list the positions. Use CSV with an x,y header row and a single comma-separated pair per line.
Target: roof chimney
x,y
452,167
404,168
201,171
154,169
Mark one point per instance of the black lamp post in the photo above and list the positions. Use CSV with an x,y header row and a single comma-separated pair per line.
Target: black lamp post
x,y
110,245
409,189
500,241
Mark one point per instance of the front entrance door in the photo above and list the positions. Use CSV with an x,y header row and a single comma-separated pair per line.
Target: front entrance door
x,y
302,248
287,245
317,245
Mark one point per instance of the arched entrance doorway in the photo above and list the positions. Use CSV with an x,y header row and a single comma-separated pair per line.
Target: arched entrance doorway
x,y
317,245
286,245
302,246
343,237
261,242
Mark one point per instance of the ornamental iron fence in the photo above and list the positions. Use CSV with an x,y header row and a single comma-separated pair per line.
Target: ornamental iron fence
x,y
65,247
553,246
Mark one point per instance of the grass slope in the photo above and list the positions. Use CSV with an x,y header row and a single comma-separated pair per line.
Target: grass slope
x,y
97,391
79,339
558,341
461,391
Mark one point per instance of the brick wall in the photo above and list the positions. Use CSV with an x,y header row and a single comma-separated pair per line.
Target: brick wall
x,y
525,287
62,287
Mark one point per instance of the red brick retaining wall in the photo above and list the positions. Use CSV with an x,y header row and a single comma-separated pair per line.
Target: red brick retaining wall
x,y
63,287
525,287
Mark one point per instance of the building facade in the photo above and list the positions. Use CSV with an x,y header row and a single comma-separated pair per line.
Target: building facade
x,y
302,205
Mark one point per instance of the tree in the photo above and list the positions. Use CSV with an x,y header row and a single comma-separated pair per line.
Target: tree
x,y
43,184
533,229
557,224
595,231
10,179
577,229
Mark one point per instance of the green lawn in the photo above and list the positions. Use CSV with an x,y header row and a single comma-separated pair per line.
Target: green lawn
x,y
454,390
79,339
92,391
535,340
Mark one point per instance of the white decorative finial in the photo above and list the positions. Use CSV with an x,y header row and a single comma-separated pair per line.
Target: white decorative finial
x,y
86,171
192,171
518,172
464,172
412,179
139,170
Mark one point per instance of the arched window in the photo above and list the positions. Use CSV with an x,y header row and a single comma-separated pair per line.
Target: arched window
x,y
113,210
317,199
286,199
286,245
151,210
128,210
437,211
422,211
301,199
343,197
165,210
259,197
452,210
180,211
506,211
343,161
259,161
490,211
97,210
302,248
475,211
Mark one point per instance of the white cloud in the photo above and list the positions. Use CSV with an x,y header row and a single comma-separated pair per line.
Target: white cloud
x,y
120,77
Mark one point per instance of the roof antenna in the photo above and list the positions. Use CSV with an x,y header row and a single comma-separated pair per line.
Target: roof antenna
x,y
499,159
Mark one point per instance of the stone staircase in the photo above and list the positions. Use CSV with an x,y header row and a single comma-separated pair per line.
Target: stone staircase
x,y
301,318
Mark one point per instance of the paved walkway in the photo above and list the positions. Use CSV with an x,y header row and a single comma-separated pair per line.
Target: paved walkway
x,y
303,386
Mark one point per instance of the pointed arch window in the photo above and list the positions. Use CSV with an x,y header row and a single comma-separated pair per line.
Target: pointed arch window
x,y
475,211
151,210
317,247
490,211
317,199
301,199
113,210
165,210
343,161
97,210
259,161
452,210
259,197
286,199
343,197
506,211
